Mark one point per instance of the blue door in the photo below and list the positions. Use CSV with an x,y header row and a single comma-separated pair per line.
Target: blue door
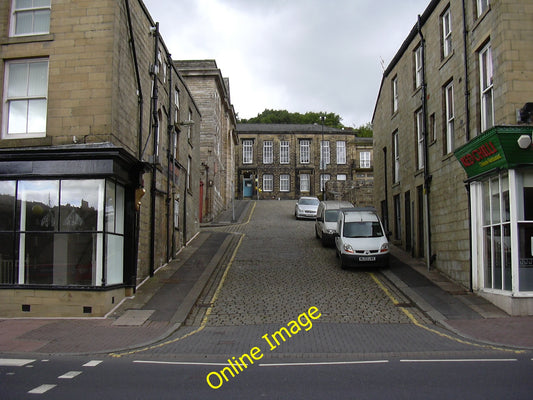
x,y
247,188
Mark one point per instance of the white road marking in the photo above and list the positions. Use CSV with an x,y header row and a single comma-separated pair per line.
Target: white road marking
x,y
42,389
325,363
462,360
177,363
92,363
14,362
70,375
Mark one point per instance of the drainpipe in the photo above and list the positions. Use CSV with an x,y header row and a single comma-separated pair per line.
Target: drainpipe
x,y
170,195
467,86
386,211
427,177
140,103
155,126
467,131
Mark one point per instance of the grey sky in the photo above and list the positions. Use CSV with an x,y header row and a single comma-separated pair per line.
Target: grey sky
x,y
297,55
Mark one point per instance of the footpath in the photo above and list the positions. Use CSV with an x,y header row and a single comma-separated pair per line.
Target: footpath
x,y
162,303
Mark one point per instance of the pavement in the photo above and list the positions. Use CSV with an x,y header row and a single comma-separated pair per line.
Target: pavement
x,y
162,304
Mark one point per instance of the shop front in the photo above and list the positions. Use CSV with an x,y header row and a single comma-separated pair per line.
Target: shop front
x,y
499,165
67,243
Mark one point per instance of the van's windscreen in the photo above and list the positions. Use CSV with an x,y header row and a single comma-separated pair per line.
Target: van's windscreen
x,y
362,229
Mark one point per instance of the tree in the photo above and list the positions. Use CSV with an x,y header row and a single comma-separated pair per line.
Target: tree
x,y
365,130
285,117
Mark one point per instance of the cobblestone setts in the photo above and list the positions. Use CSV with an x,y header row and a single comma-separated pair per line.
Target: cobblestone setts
x,y
281,270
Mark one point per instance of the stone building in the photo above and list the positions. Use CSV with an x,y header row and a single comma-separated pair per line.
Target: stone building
x,y
218,137
452,182
286,161
94,115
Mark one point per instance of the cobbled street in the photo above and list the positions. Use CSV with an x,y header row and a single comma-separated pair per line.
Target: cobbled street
x,y
277,271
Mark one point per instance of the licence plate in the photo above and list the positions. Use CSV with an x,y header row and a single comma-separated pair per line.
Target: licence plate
x,y
367,258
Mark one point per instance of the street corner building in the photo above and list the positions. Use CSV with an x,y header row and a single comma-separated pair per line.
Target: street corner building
x,y
99,156
286,161
452,146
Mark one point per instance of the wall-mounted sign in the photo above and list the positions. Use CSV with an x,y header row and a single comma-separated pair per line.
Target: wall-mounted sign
x,y
495,148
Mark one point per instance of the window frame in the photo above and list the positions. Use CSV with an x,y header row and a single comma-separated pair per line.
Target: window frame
x,y
341,152
33,10
395,96
365,159
449,109
446,33
418,66
325,156
268,183
486,76
247,151
284,152
395,157
268,152
305,151
284,183
28,98
419,127
305,183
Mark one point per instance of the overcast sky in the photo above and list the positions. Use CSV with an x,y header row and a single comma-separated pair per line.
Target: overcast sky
x,y
295,55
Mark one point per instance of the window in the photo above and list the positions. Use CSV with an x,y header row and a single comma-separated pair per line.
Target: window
x,y
176,104
65,232
419,118
450,135
432,128
189,125
268,155
341,177
482,6
323,179
397,218
446,33
364,161
324,154
284,182
394,94
418,67
25,101
341,152
284,152
305,183
247,151
487,106
30,17
268,183
305,146
497,233
525,230
395,157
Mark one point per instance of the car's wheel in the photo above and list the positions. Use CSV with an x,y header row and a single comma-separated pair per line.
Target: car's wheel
x,y
341,263
316,233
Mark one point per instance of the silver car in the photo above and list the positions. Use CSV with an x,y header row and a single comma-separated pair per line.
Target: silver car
x,y
306,207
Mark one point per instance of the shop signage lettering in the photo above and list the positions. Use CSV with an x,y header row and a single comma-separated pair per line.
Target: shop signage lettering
x,y
482,154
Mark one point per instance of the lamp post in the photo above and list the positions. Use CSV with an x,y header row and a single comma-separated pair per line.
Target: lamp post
x,y
322,158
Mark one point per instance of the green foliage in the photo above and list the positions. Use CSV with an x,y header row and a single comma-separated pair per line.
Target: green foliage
x,y
364,130
285,117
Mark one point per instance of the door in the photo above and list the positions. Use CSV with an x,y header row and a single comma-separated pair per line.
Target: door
x,y
247,187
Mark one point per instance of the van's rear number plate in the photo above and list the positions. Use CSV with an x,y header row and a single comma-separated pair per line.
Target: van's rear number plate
x,y
367,258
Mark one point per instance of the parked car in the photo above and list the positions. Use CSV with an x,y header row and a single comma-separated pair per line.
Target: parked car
x,y
306,207
326,220
360,240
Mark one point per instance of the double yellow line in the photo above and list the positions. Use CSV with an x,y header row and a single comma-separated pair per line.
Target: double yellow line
x,y
427,328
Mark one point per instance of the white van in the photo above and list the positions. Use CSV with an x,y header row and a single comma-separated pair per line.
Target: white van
x,y
360,240
326,220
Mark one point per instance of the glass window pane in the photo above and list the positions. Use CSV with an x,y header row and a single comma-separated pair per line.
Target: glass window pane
x,y
38,79
8,264
23,23
23,4
119,225
18,111
495,206
18,74
110,207
488,257
38,258
80,208
497,251
525,256
42,21
507,251
7,205
41,3
37,116
114,259
38,203
79,267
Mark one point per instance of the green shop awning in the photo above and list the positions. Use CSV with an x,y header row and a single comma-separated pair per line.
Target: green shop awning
x,y
495,148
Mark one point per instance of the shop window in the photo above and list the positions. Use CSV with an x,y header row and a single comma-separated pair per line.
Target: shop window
x,y
525,233
497,233
61,232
